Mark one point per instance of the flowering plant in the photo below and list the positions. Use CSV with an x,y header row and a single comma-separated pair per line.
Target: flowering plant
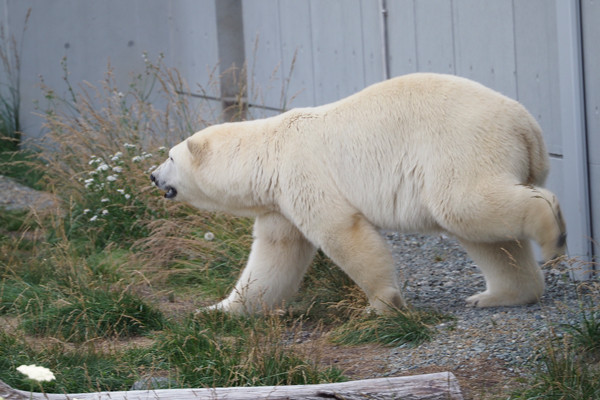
x,y
111,205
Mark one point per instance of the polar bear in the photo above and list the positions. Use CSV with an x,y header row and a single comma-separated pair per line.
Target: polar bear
x,y
418,153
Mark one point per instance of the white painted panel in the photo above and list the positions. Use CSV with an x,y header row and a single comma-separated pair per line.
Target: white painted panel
x,y
372,41
337,49
434,36
263,51
92,34
402,44
484,43
537,66
297,53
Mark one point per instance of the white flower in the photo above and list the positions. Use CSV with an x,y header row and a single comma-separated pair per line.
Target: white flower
x,y
209,236
137,159
87,210
127,196
122,191
102,167
129,146
93,173
120,94
95,217
111,178
162,148
40,374
105,212
118,170
104,200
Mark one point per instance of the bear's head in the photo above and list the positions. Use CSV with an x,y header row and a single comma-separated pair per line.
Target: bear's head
x,y
174,176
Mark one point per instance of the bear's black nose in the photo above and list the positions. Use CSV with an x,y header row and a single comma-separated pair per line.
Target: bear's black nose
x,y
152,178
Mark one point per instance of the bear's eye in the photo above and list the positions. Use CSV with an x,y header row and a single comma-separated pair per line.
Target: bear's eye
x,y
171,158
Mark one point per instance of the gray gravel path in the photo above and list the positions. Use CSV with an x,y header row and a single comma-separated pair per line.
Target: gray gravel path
x,y
438,274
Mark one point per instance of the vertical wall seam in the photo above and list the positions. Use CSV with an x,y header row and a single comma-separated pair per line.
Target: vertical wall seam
x,y
416,34
312,52
586,130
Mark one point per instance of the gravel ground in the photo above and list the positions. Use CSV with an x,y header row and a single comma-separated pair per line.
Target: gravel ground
x,y
438,274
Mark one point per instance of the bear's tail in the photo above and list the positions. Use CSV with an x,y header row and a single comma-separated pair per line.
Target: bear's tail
x,y
539,161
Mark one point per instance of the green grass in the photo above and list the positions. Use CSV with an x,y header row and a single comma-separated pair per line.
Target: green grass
x,y
394,329
562,373
215,350
82,369
24,166
94,314
586,334
569,365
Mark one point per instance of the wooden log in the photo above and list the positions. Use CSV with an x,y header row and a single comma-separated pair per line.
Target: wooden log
x,y
441,385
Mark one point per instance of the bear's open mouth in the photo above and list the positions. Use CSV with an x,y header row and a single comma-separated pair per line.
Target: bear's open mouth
x,y
171,192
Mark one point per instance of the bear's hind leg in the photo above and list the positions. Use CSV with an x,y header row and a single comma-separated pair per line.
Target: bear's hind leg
x,y
278,260
511,273
501,210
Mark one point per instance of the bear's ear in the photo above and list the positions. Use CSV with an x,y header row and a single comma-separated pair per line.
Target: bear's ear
x,y
197,149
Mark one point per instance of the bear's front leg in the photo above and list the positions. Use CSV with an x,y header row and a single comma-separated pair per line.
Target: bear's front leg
x,y
356,246
278,260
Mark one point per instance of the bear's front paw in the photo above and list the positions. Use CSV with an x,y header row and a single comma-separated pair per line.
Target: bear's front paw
x,y
485,299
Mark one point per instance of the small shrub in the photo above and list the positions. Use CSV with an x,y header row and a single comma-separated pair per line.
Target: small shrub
x,y
109,209
395,328
586,334
562,374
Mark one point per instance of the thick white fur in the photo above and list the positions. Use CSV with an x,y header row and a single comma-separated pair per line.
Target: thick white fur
x,y
418,153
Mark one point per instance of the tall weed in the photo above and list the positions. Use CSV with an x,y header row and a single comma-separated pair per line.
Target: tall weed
x,y
10,90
